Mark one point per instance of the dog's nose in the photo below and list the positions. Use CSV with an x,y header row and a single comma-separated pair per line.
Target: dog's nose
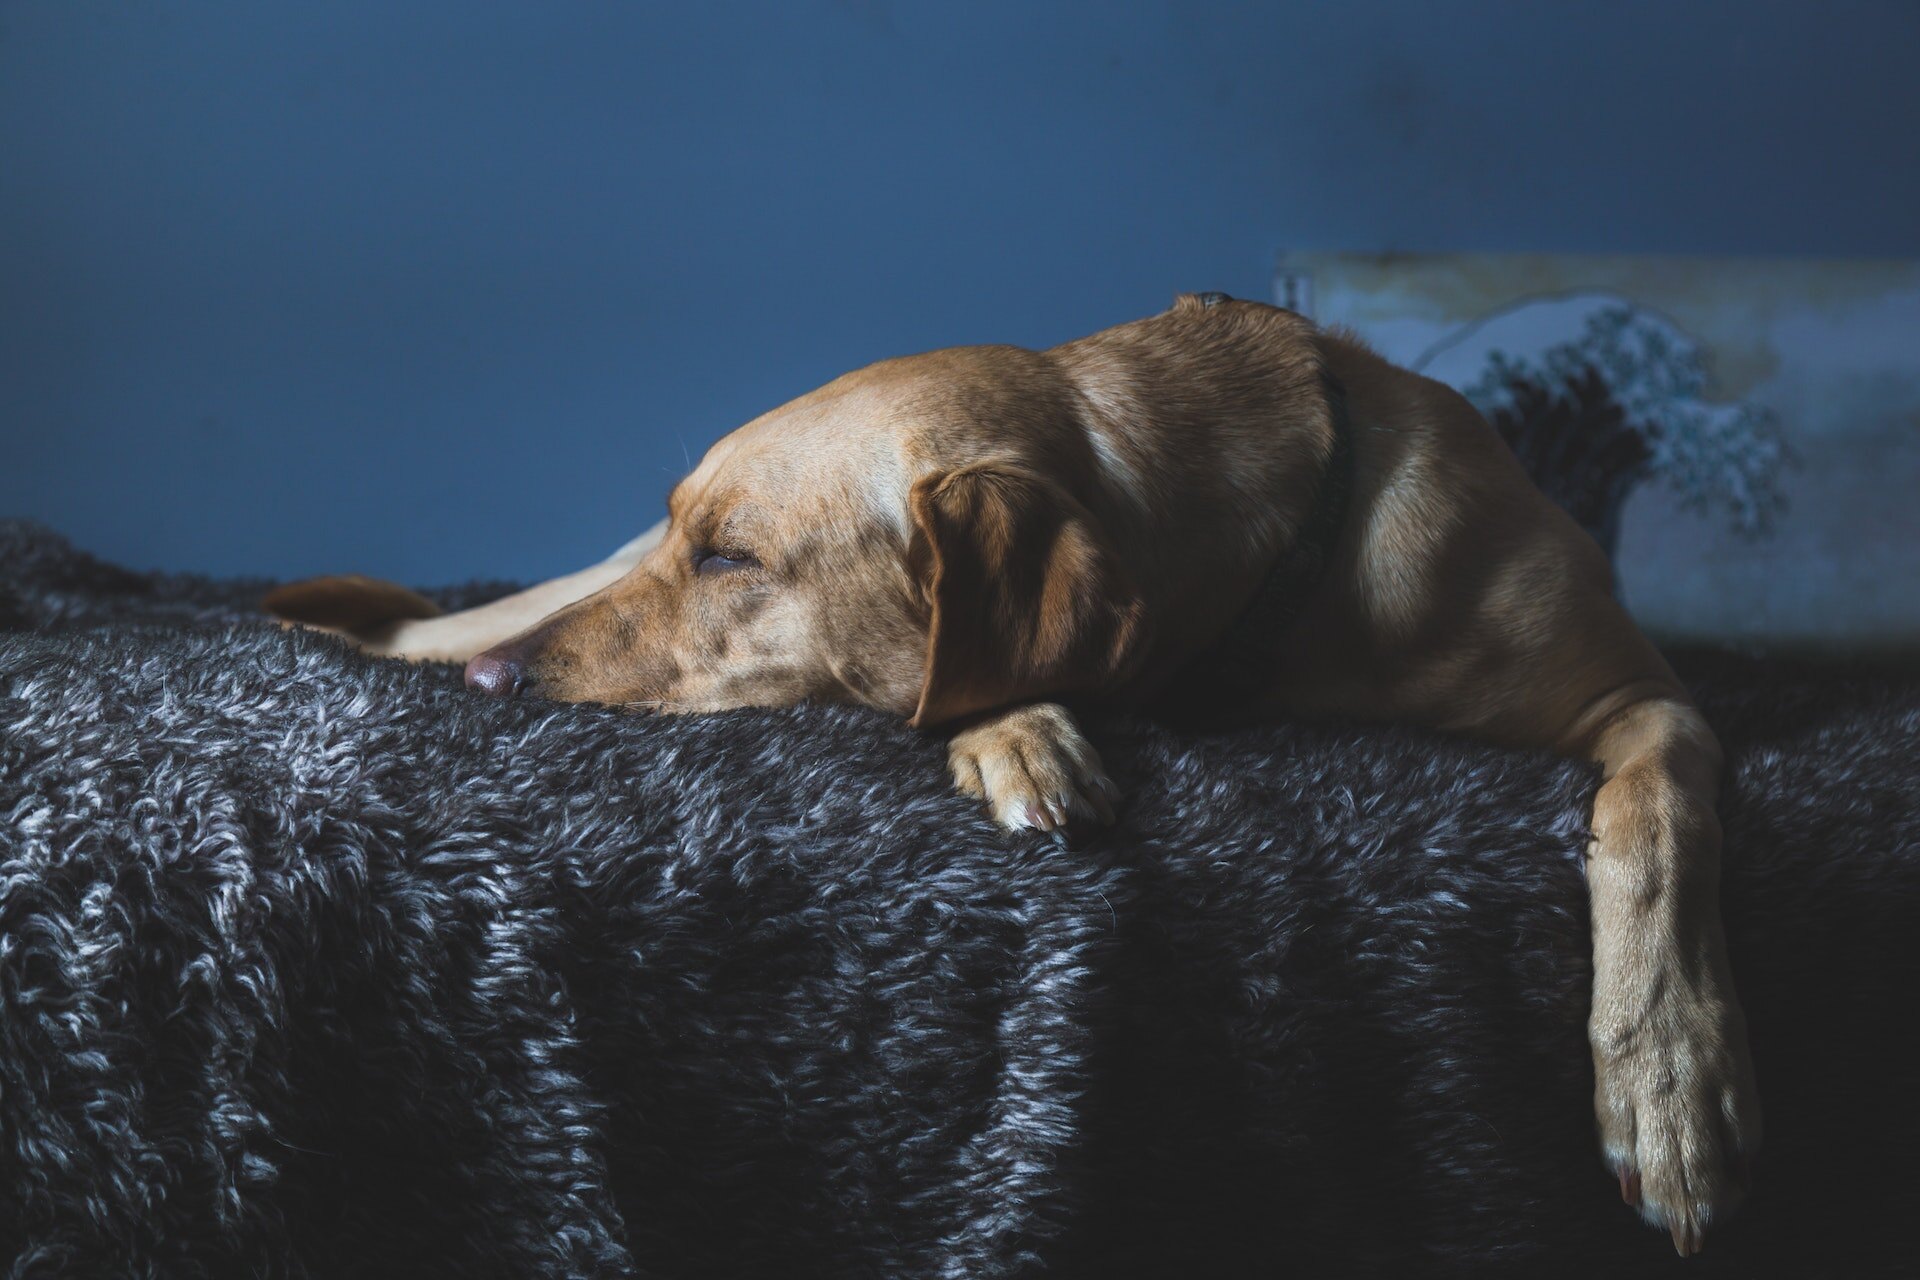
x,y
497,674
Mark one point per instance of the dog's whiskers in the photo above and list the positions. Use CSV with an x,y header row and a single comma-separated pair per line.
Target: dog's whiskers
x,y
655,705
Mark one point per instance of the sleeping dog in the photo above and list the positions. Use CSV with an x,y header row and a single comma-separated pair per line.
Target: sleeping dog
x,y
1217,512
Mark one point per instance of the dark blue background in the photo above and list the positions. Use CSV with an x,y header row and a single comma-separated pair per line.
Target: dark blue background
x,y
442,289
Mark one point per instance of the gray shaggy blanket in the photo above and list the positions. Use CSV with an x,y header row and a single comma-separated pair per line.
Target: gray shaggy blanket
x,y
312,965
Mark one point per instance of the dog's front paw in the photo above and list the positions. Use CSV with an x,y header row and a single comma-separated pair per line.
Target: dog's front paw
x,y
1678,1111
1033,768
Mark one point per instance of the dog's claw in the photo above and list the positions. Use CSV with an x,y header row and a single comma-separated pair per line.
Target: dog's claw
x,y
1630,1187
1034,769
1686,1238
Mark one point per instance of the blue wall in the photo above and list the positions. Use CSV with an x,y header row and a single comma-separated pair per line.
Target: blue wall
x,y
445,289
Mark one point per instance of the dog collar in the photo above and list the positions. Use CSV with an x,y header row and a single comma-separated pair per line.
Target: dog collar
x,y
1237,661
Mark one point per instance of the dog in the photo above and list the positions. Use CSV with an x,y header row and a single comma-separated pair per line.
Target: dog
x,y
1218,512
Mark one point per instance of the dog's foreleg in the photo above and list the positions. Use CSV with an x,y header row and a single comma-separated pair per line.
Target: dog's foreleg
x,y
1674,1093
1032,767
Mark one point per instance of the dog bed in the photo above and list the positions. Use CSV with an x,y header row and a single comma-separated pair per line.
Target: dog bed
x,y
316,965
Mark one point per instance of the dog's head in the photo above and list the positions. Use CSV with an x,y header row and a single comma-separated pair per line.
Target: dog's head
x,y
918,537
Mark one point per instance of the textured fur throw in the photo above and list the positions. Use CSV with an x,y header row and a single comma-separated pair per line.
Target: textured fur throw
x,y
312,965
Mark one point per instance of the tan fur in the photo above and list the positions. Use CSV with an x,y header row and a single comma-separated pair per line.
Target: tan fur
x,y
392,621
968,536
350,603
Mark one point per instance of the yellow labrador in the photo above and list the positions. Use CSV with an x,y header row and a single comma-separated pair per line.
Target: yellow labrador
x,y
1216,507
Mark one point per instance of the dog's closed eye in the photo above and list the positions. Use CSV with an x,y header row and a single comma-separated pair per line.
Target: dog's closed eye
x,y
708,563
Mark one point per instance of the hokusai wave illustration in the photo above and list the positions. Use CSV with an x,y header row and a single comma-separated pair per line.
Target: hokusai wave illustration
x,y
1742,435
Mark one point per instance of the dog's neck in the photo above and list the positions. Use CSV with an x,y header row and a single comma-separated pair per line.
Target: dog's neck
x,y
1217,680
1216,429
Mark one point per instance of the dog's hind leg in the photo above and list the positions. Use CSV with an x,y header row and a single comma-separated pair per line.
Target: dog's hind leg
x,y
391,621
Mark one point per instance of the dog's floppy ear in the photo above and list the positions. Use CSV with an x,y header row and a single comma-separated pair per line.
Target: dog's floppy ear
x,y
347,603
1027,597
